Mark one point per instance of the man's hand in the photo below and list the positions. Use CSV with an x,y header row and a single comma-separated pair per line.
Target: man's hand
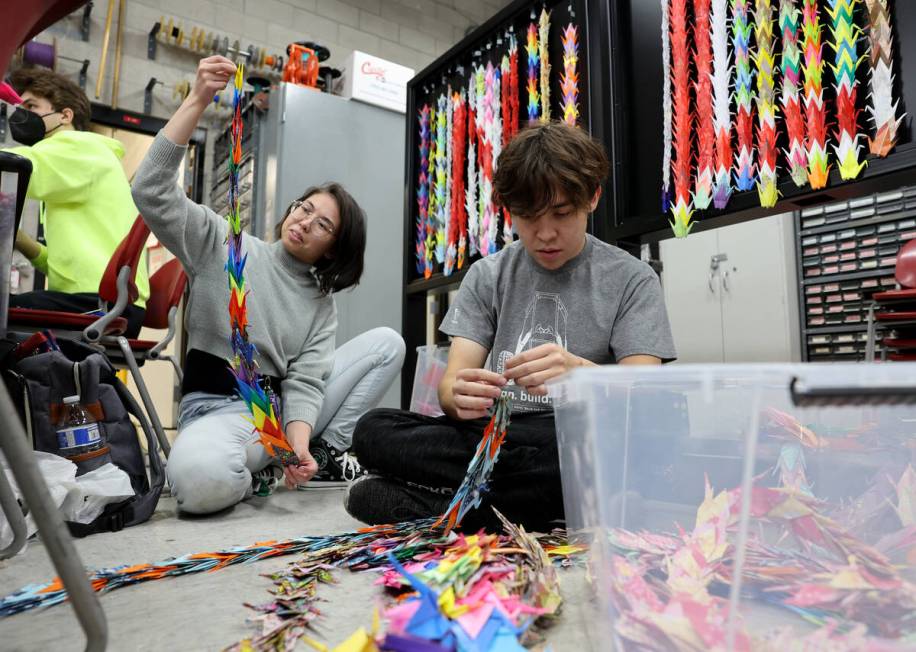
x,y
474,392
532,368
298,434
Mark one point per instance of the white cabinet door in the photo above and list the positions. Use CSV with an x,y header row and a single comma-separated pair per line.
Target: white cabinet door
x,y
692,296
745,310
759,296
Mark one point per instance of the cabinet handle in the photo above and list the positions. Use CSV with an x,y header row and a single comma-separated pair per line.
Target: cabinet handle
x,y
714,262
725,282
805,395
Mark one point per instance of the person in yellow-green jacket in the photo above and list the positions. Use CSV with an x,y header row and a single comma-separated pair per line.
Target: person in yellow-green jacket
x,y
88,208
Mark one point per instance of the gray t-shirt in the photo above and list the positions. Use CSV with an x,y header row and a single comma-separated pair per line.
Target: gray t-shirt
x,y
603,305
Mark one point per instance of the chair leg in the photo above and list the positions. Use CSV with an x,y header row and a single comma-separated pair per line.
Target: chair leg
x,y
870,334
14,515
51,526
178,373
144,395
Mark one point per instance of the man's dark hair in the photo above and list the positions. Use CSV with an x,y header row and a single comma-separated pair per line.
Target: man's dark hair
x,y
544,161
346,267
61,92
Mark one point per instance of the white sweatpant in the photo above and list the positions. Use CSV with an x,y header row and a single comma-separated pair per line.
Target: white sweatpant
x,y
217,449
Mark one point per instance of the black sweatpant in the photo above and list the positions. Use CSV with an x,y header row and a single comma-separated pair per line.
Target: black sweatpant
x,y
80,302
435,451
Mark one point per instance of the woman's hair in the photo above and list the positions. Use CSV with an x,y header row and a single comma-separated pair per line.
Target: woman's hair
x,y
346,267
60,92
543,161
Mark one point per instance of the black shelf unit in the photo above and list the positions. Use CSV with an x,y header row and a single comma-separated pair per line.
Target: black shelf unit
x,y
427,84
633,126
845,252
621,42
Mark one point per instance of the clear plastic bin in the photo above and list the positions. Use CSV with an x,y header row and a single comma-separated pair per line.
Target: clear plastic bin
x,y
794,479
431,363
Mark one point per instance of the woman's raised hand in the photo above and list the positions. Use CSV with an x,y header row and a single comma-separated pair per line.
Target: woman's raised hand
x,y
213,73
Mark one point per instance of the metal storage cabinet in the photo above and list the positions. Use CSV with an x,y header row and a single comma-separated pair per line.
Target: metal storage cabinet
x,y
732,293
309,138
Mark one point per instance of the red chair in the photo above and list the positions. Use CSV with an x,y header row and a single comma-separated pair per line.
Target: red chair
x,y
167,288
23,20
895,310
105,332
117,287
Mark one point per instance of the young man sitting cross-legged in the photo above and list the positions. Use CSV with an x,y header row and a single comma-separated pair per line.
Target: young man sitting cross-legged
x,y
556,299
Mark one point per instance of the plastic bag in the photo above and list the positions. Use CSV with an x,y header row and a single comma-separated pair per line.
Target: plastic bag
x,y
80,499
90,492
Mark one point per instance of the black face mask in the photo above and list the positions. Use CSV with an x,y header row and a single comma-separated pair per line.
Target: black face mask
x,y
28,128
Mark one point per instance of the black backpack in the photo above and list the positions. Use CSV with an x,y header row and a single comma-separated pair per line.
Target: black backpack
x,y
38,383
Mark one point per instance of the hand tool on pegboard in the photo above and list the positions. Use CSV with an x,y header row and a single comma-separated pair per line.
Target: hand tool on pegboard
x,y
303,64
180,91
199,41
152,38
166,32
148,94
85,22
117,69
45,54
104,57
326,77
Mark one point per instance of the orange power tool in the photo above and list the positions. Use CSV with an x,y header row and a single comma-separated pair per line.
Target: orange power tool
x,y
302,66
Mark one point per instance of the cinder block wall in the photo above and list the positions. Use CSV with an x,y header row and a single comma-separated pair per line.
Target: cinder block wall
x,y
409,32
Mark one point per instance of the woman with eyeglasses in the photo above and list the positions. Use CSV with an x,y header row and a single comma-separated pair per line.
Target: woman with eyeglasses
x,y
217,460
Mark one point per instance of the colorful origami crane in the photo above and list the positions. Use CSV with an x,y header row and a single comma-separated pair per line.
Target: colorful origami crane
x,y
721,102
423,192
683,119
882,107
472,489
846,61
790,97
534,62
569,78
706,127
815,110
471,194
544,56
667,118
457,232
744,95
261,401
766,104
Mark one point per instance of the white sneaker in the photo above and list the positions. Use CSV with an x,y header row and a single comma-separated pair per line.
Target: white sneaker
x,y
266,481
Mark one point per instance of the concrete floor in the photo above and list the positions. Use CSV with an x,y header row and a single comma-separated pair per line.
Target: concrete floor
x,y
205,611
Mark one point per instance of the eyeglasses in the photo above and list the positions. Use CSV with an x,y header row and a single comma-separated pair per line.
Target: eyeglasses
x,y
324,225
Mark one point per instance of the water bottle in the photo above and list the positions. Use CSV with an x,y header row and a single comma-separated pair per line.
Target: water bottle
x,y
78,432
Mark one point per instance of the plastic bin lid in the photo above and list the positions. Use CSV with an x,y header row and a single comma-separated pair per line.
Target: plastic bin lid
x,y
824,383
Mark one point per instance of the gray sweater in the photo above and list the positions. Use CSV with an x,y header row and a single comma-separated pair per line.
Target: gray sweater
x,y
290,322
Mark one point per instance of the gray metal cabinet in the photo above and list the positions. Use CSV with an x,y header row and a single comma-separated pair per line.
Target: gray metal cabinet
x,y
309,138
732,293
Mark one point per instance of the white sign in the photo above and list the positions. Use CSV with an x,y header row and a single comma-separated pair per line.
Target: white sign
x,y
376,81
